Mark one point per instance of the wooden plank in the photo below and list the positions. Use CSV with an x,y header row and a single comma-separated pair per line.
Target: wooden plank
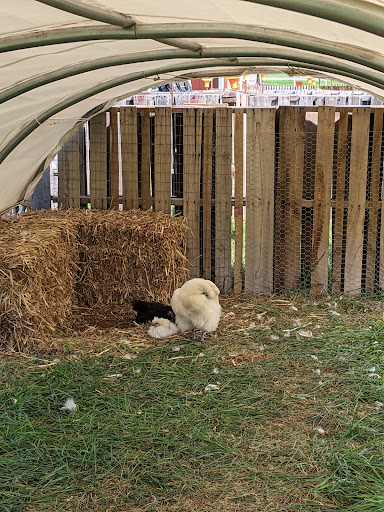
x,y
337,249
192,127
289,190
163,128
322,199
374,199
114,158
207,192
239,193
98,161
223,196
129,159
381,262
357,194
311,121
260,200
83,162
69,173
145,160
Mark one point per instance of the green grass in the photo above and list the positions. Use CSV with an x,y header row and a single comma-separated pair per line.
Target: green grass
x,y
153,439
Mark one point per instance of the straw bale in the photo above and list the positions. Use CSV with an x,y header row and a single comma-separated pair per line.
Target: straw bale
x,y
54,265
130,255
38,257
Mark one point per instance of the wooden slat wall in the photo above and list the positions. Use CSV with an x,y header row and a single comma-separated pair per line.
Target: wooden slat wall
x,y
356,200
278,240
145,160
374,199
163,127
192,129
260,200
289,189
69,173
114,157
129,164
239,193
337,249
223,196
98,161
207,192
322,200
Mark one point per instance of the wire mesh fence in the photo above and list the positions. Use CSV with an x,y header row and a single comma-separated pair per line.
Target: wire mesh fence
x,y
275,200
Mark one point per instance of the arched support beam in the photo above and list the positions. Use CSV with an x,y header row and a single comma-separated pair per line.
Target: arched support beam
x,y
111,18
289,39
91,12
353,13
109,84
181,43
119,60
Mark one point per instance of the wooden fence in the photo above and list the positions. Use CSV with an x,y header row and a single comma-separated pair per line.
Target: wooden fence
x,y
275,199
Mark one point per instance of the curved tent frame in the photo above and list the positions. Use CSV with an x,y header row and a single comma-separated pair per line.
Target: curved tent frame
x,y
92,39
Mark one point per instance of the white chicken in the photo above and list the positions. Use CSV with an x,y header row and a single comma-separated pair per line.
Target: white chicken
x,y
196,306
161,328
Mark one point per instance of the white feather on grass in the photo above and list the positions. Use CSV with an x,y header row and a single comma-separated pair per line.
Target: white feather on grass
x,y
129,356
69,405
162,328
211,387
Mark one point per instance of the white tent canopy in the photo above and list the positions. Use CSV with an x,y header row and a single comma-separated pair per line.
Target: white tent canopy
x,y
63,61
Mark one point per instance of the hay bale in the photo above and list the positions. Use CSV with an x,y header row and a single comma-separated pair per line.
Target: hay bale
x,y
130,255
38,270
55,264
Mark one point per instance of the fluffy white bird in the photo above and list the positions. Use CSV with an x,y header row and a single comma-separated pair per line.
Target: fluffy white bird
x,y
161,328
196,306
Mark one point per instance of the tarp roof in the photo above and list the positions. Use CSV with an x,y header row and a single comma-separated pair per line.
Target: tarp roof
x,y
63,61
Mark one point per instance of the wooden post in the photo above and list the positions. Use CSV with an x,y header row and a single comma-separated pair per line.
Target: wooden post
x,y
338,228
381,262
192,130
114,158
98,161
129,160
163,129
356,200
207,192
289,190
145,160
260,200
322,201
69,173
239,193
374,199
311,120
223,199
